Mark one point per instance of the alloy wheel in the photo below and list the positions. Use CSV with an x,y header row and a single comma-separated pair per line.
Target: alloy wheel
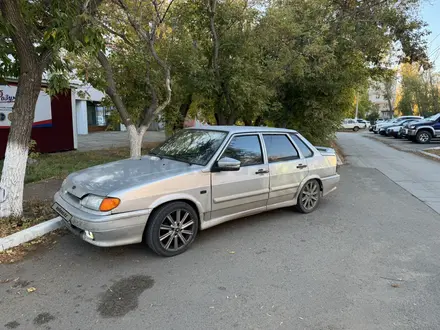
x,y
176,230
310,195
423,137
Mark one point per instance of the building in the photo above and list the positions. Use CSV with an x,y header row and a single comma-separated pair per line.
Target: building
x,y
92,116
54,127
376,95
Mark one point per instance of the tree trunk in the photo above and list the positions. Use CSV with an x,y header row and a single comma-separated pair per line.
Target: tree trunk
x,y
14,166
28,89
136,137
183,111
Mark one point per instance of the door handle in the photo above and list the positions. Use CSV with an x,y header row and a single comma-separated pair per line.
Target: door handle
x,y
261,171
300,166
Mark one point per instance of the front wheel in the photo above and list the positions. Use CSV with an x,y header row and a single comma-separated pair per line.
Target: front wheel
x,y
355,128
423,137
172,229
309,197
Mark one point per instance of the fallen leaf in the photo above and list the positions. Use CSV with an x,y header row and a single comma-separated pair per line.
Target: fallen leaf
x,y
31,289
394,285
232,252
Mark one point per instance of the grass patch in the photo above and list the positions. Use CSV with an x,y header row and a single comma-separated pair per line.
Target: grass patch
x,y
34,212
59,165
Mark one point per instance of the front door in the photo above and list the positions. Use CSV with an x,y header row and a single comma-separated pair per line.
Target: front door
x,y
245,190
287,169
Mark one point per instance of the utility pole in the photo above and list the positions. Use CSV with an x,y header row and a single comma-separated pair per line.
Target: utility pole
x,y
357,105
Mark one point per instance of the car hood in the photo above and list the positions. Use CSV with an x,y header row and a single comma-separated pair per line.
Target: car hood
x,y
420,123
104,179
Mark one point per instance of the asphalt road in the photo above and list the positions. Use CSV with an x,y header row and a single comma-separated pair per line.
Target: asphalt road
x,y
368,258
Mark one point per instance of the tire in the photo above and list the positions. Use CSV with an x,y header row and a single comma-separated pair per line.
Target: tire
x,y
356,128
311,188
160,225
423,137
374,132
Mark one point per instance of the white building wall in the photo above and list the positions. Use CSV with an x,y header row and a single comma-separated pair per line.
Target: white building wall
x,y
81,117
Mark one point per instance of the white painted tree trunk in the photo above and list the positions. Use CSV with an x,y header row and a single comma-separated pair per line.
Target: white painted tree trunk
x,y
12,181
136,137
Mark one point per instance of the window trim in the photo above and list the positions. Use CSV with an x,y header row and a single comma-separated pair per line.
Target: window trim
x,y
263,153
306,144
289,140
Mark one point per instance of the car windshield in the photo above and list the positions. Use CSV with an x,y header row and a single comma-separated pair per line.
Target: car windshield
x,y
191,146
433,118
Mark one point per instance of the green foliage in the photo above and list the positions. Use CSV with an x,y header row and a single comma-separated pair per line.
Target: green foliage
x,y
419,90
53,27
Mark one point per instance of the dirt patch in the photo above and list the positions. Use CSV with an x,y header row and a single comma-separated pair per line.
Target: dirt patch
x,y
433,151
122,297
32,248
12,325
34,212
43,318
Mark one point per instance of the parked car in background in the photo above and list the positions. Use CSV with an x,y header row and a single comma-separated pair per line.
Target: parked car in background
x,y
352,124
377,127
395,129
366,122
424,130
199,178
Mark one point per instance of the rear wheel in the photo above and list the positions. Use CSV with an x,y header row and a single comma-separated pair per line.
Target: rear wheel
x,y
309,196
172,229
355,128
423,137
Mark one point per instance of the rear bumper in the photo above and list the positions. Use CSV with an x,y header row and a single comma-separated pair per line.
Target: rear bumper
x,y
108,230
329,184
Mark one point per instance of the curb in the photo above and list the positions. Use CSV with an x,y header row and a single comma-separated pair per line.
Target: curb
x,y
29,234
429,154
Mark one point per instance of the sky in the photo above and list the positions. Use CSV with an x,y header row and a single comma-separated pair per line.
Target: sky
x,y
430,13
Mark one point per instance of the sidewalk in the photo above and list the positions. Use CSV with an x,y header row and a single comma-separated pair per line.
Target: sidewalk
x,y
110,139
416,174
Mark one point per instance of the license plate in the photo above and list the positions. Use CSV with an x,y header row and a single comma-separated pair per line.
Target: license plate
x,y
62,212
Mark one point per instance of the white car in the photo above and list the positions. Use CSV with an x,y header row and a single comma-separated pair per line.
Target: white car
x,y
363,121
352,124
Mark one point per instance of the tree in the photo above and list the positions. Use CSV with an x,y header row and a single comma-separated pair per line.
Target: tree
x,y
419,90
134,76
33,32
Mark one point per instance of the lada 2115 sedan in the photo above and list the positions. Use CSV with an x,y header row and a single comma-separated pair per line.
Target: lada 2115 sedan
x,y
197,179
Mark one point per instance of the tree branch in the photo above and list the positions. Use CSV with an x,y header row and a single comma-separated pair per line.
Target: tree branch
x,y
118,34
111,88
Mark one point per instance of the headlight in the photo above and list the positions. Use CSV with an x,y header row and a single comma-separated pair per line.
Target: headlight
x,y
99,203
412,126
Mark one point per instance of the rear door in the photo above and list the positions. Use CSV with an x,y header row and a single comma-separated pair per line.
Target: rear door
x,y
246,189
287,168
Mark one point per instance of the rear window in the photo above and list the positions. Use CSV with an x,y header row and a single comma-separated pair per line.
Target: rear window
x,y
302,146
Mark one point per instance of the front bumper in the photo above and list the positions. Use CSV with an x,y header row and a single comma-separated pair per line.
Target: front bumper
x,y
411,132
108,230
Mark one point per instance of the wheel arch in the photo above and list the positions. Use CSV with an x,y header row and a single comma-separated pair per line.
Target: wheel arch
x,y
305,180
430,129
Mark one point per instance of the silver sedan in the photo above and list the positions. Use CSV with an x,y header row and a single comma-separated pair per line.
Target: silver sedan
x,y
197,179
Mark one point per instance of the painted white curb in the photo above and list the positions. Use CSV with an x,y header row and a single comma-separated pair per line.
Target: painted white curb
x,y
429,154
29,234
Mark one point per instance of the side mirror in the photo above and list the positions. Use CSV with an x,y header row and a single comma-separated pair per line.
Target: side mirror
x,y
228,164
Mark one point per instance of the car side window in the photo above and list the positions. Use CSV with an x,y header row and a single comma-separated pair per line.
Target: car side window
x,y
246,149
279,148
302,146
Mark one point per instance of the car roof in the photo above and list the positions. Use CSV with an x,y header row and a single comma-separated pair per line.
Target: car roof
x,y
244,129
